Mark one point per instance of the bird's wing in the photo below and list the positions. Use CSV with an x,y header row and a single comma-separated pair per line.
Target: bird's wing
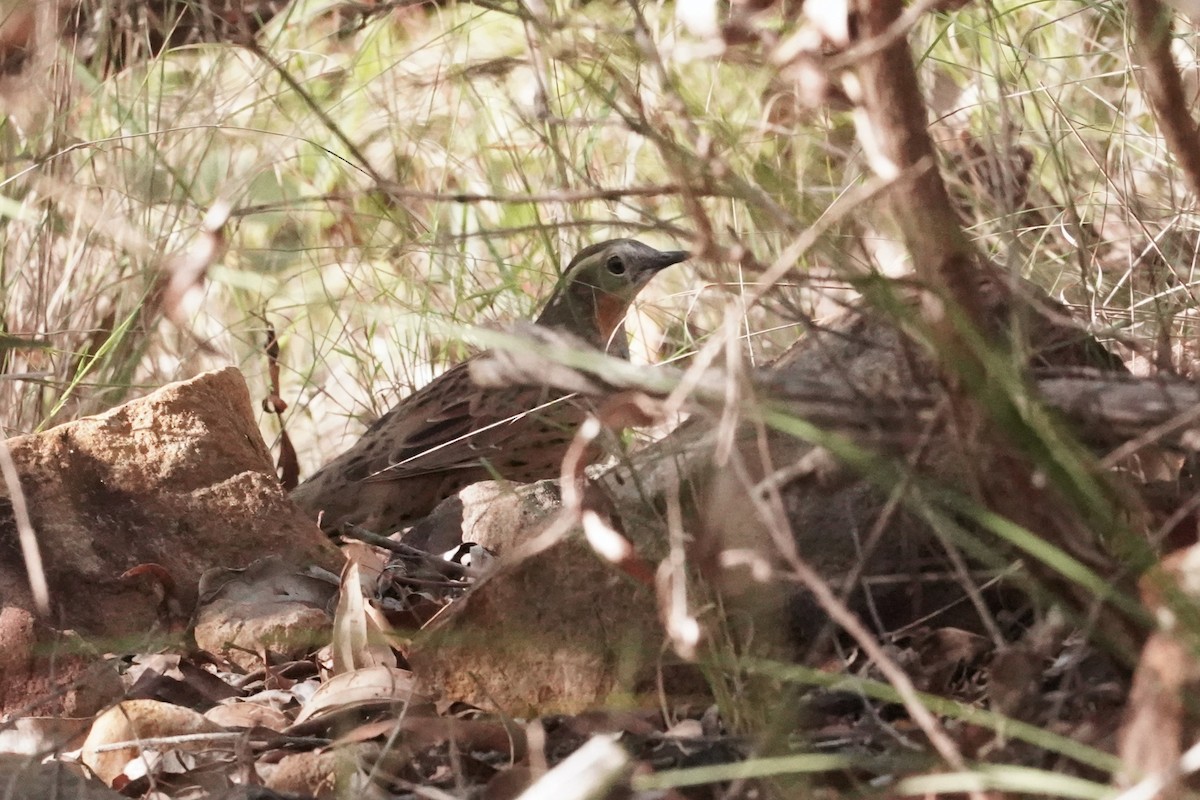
x,y
453,424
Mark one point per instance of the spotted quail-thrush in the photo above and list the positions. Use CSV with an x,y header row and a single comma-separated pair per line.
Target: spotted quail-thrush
x,y
452,433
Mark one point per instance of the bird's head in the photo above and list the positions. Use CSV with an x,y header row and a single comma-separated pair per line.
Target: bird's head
x,y
600,283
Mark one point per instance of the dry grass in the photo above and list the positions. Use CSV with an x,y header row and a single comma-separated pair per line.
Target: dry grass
x,y
343,148
429,169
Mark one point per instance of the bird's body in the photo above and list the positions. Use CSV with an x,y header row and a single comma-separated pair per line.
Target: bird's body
x,y
452,433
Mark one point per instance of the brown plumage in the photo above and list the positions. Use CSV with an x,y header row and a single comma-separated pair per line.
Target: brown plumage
x,y
452,433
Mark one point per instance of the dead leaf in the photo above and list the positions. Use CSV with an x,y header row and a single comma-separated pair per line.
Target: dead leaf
x,y
353,646
372,686
137,720
241,714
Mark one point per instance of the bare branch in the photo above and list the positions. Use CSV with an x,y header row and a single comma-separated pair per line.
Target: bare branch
x,y
1163,86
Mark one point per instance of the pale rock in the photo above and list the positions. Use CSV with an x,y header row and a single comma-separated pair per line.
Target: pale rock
x,y
269,606
180,478
329,774
559,632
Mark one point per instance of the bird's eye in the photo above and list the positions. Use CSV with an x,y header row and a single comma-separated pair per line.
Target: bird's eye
x,y
615,265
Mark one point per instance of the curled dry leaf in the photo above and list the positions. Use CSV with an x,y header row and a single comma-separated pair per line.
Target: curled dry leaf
x,y
134,721
370,563
631,409
358,639
372,686
241,714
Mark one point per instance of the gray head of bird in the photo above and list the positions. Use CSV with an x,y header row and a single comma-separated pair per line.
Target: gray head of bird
x,y
599,284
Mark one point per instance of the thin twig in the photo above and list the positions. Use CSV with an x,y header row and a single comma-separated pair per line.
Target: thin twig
x,y
1164,87
30,550
350,531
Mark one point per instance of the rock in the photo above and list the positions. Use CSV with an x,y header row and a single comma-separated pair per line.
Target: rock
x,y
563,630
330,774
835,518
269,606
558,632
494,514
180,478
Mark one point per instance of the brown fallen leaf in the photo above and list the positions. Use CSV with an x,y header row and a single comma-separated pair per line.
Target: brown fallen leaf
x,y
358,639
371,686
134,721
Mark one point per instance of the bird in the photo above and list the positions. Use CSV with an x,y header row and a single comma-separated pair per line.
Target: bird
x,y
452,433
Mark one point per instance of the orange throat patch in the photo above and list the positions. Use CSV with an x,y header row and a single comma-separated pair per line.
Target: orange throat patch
x,y
610,310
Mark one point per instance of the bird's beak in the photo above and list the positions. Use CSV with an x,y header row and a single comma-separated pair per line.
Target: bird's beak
x,y
663,260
